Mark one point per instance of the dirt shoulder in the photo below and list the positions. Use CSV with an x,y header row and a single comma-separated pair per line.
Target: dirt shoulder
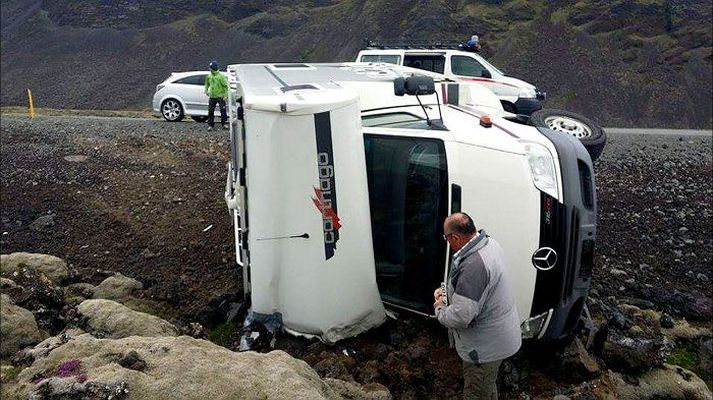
x,y
142,197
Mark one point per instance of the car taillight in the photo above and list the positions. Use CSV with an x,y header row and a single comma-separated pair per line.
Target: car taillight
x,y
159,87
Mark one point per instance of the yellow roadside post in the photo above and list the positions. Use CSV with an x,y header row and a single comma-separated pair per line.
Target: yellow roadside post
x,y
32,105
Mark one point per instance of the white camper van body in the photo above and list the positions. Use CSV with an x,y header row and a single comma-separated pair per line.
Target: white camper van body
x,y
338,190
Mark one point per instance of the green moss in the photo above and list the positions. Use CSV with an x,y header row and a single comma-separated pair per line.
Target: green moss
x,y
222,334
9,373
683,356
687,356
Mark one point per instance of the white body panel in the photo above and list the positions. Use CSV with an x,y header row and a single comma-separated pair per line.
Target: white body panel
x,y
333,297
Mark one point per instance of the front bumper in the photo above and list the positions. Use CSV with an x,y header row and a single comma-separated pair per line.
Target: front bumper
x,y
527,106
568,228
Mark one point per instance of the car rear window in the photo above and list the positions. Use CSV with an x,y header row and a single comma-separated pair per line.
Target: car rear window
x,y
193,79
433,63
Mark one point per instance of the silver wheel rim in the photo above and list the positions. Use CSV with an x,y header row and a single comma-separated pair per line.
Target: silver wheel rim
x,y
569,126
171,110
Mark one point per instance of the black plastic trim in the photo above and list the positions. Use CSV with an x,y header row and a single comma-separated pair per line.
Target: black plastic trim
x,y
571,231
527,106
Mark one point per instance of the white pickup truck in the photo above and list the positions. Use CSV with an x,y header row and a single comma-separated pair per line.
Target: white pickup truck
x,y
515,95
342,174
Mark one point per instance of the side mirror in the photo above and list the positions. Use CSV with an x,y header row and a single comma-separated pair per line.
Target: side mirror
x,y
486,74
399,86
414,85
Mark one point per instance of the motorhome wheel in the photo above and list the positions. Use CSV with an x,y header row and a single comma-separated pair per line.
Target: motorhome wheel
x,y
589,133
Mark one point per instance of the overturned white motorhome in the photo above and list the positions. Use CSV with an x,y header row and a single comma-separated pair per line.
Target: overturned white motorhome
x,y
339,185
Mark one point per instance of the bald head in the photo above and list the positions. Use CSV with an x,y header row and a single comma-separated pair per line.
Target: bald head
x,y
460,222
458,229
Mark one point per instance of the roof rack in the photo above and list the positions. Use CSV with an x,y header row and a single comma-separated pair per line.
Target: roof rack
x,y
415,44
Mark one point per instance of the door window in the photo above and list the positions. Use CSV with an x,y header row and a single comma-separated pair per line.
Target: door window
x,y
384,58
193,79
433,63
462,65
408,193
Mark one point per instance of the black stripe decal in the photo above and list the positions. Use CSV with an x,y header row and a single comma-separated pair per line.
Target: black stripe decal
x,y
453,93
327,196
283,83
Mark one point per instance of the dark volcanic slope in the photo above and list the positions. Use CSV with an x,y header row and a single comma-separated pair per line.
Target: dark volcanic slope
x,y
623,62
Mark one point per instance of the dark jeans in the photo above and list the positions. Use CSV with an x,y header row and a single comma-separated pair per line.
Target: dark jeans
x,y
211,111
480,380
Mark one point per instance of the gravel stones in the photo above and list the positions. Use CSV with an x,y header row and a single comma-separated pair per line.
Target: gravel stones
x,y
132,360
657,189
632,355
666,321
76,158
43,222
576,363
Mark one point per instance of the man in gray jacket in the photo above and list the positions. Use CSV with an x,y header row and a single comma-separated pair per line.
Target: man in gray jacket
x,y
478,309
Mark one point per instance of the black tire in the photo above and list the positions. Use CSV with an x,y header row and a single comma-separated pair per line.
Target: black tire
x,y
200,118
172,110
589,133
509,107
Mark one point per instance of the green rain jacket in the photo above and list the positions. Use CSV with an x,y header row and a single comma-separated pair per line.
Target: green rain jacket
x,y
216,85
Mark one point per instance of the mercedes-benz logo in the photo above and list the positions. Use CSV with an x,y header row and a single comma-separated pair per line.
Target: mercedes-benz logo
x,y
545,258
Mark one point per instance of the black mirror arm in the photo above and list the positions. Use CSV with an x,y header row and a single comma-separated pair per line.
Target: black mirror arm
x,y
428,120
438,101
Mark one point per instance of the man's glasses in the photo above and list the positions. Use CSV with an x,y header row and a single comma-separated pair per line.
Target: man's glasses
x,y
445,237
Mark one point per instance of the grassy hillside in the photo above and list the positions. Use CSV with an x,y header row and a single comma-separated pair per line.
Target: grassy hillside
x,y
623,62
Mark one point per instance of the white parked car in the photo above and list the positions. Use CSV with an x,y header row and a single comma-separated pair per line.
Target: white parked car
x,y
341,177
182,95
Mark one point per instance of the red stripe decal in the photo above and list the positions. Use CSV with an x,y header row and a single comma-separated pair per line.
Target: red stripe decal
x,y
487,81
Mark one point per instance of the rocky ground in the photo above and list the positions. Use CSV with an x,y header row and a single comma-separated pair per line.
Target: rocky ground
x,y
143,198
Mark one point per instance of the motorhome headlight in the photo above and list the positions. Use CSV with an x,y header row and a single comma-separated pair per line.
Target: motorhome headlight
x,y
532,327
528,93
542,168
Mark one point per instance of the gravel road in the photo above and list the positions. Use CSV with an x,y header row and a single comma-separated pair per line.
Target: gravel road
x,y
144,197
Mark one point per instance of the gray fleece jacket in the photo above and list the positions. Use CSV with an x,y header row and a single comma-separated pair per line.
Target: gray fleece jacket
x,y
480,311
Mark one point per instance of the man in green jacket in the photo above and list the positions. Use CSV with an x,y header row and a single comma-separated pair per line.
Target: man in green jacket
x,y
216,88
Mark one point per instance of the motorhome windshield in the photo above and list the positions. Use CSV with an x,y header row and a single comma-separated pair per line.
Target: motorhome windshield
x,y
408,193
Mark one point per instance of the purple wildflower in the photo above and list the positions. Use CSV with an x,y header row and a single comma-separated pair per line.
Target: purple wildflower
x,y
81,378
69,368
